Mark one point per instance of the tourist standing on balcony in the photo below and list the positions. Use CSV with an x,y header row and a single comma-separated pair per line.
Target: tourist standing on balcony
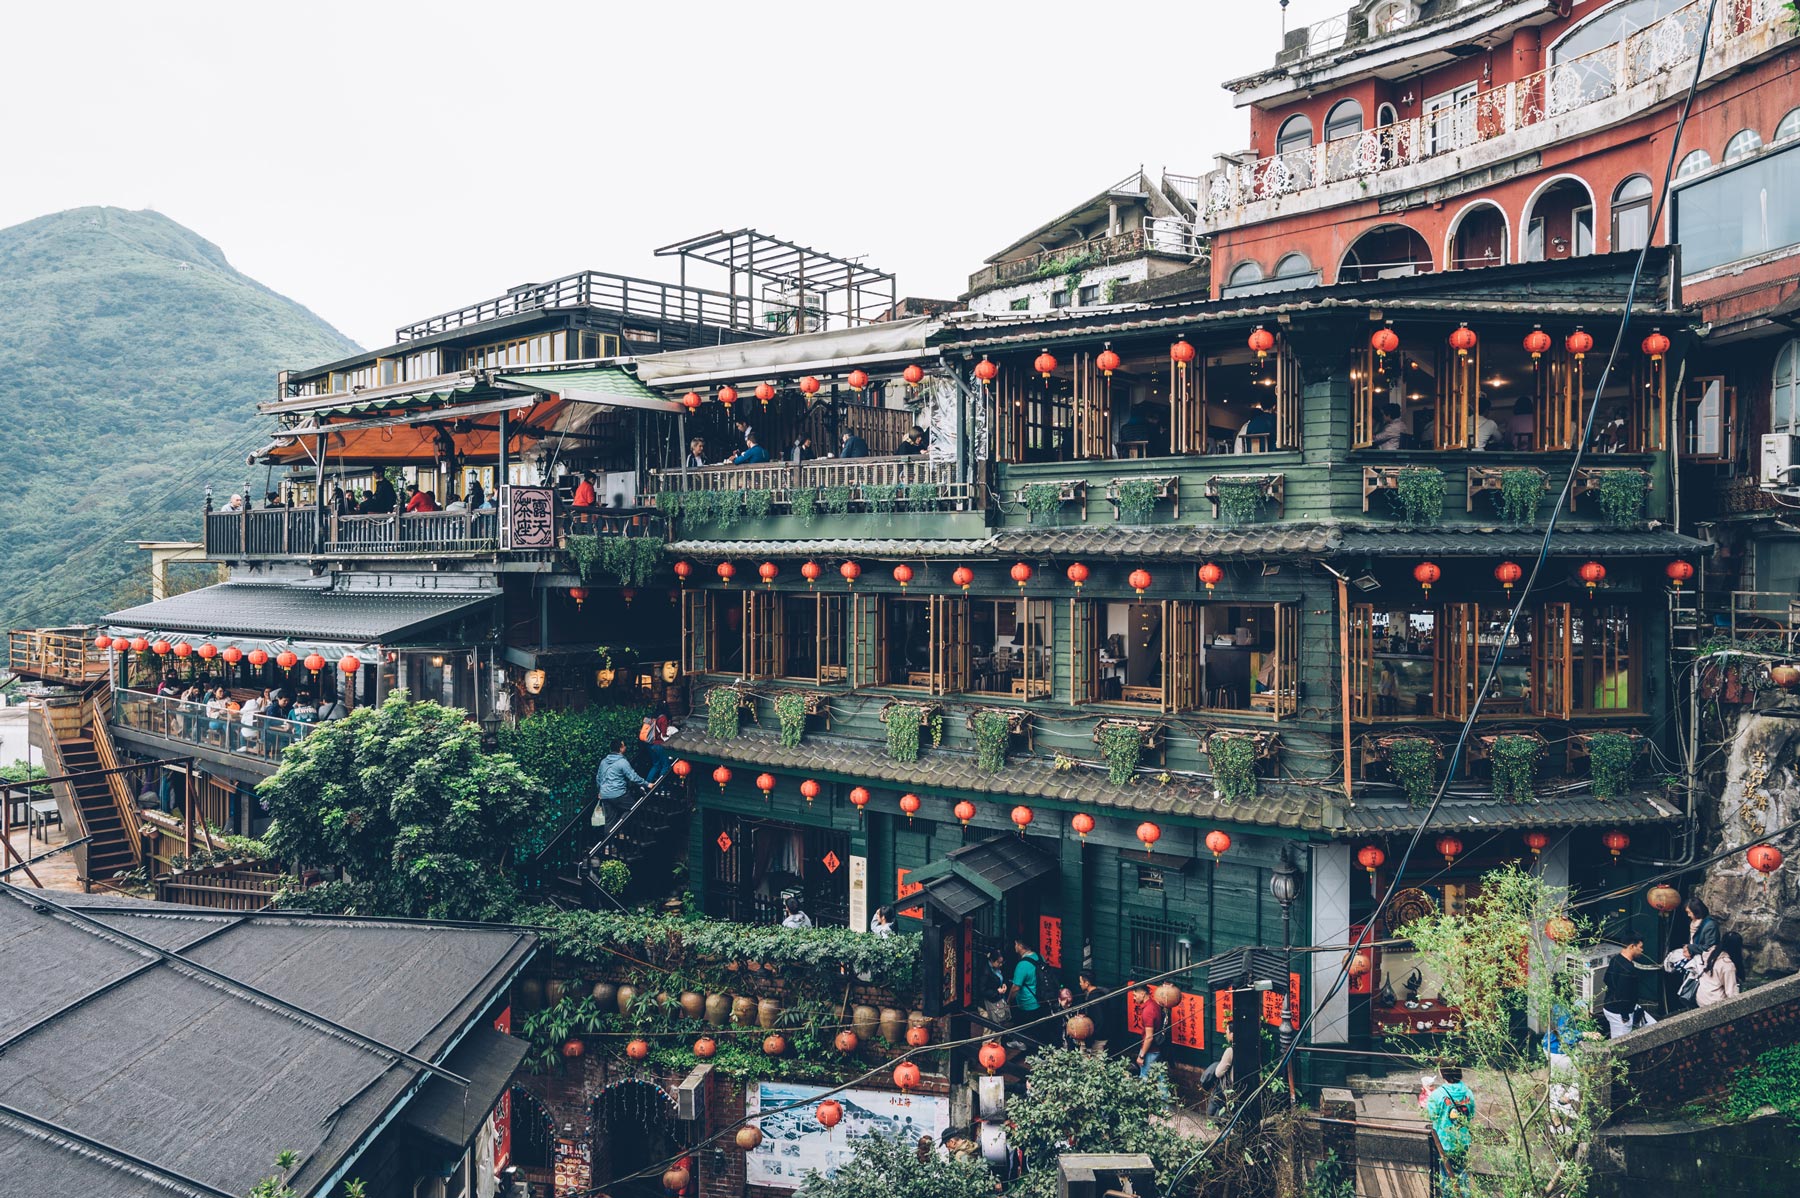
x,y
456,504
802,450
746,433
248,732
853,446
477,494
384,499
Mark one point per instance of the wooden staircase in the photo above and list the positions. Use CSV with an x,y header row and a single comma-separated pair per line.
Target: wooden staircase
x,y
95,804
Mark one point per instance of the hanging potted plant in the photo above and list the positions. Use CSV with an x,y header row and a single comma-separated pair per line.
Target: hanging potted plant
x,y
993,734
1137,499
1043,501
1515,761
1233,766
1610,758
1122,748
1419,492
790,710
1621,494
903,721
722,712
1521,494
1414,762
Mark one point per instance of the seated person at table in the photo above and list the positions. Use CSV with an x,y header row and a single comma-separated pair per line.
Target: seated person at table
x,y
1393,431
1487,429
420,501
696,458
384,499
456,504
1521,426
1254,436
753,453
1137,430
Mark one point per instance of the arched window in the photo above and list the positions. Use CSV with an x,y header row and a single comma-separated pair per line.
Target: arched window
x,y
1560,222
1391,17
1480,238
1385,252
1293,265
1344,120
1387,114
1296,134
1693,164
1743,144
1789,127
1631,214
1243,274
1784,394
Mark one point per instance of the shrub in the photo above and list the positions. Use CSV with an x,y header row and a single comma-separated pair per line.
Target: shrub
x,y
1121,747
1239,501
1137,499
1419,490
1521,494
804,503
1414,762
1621,494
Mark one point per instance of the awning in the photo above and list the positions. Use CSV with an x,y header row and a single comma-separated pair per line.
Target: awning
x,y
274,616
442,389
452,1114
971,877
803,353
612,386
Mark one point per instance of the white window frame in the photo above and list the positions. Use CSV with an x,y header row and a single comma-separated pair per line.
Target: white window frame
x,y
1438,112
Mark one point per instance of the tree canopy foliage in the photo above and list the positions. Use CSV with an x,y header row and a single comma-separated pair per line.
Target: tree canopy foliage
x,y
129,372
404,800
889,1168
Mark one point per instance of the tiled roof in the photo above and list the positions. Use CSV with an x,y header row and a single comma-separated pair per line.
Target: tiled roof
x,y
286,613
1470,815
948,772
1568,540
911,548
1173,540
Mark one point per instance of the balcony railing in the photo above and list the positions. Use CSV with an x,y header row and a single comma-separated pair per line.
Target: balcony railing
x,y
646,298
294,532
64,655
263,738
782,479
1655,50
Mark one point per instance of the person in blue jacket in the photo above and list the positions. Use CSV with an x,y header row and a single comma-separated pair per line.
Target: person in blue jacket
x,y
1451,1109
614,780
753,453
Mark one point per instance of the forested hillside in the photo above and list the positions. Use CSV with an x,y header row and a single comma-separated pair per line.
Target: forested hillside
x,y
131,359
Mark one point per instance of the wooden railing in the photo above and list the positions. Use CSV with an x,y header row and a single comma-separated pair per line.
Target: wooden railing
x,y
782,480
293,532
221,887
55,654
260,741
94,714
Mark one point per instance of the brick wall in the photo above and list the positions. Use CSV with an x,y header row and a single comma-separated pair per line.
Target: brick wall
x,y
1693,1055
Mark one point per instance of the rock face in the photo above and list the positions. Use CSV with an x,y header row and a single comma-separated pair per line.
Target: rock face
x,y
1760,794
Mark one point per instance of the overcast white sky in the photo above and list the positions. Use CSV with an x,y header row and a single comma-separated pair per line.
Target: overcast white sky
x,y
380,162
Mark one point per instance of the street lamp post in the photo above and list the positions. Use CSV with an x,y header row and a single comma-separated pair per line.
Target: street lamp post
x,y
1284,885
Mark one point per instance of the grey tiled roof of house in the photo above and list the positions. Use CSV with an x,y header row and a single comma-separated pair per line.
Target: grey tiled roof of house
x,y
281,612
1475,815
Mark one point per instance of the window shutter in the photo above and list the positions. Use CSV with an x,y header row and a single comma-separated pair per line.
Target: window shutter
x,y
1362,662
1187,406
696,631
1456,663
1551,657
868,641
1362,399
1459,389
1181,655
1287,396
1040,614
1009,416
1093,409
1287,659
831,639
1559,400
1084,652
949,644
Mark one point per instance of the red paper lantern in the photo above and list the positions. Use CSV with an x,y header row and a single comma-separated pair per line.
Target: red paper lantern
x,y
1538,342
829,1113
765,783
139,644
986,371
1371,857
1139,580
315,662
851,572
160,648
182,649
1181,353
859,798
913,375
1262,341
573,1048
1592,573
965,811
962,576
1022,817
774,1046
993,1055
1427,573
1450,847
232,655
726,571
349,663
1678,572
103,642
1616,842
1218,842
722,775
1045,364
1765,859
1508,573
683,569
765,393
258,658
1021,574
909,804
1463,340
906,1075
918,1036
1107,361
768,570
809,385
1077,573
1537,842
1083,823
1664,898
705,1047
579,595
1559,929
637,1050
1384,342
1656,345
691,401
846,1041
682,767
903,574
287,659
1579,342
207,652
728,395
1210,574
627,594
811,571
1359,965
1149,833
858,379
809,790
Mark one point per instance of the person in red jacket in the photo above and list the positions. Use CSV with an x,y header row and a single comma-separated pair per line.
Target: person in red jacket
x,y
584,493
420,501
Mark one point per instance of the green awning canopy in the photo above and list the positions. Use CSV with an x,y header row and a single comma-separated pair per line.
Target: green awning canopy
x,y
610,385
442,390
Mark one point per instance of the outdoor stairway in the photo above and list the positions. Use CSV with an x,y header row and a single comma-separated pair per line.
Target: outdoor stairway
x,y
111,848
650,826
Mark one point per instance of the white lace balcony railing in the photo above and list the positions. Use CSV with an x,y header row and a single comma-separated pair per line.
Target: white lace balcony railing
x,y
1564,87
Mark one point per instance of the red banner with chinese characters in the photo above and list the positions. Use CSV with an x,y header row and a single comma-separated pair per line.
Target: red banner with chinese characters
x,y
1221,1010
1050,940
1271,1002
1133,1005
904,891
503,1109
1187,1021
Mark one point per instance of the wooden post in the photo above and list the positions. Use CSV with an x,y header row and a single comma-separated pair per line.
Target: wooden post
x,y
187,819
1343,588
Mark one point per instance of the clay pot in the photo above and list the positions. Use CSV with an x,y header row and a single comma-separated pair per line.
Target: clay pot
x,y
767,1012
743,1010
693,1004
717,1009
625,996
774,1045
554,991
531,994
865,1019
917,1019
1784,676
893,1025
606,995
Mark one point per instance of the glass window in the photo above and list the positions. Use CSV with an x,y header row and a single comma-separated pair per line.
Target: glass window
x,y
1789,127
1784,395
1397,681
1742,144
1239,656
1022,304
906,642
1695,162
1344,120
1243,274
1292,266
1603,652
1391,17
1739,213
1010,640
1450,119
1296,134
1130,665
1631,214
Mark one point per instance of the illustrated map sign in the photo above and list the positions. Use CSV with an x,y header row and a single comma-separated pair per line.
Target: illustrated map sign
x,y
795,1144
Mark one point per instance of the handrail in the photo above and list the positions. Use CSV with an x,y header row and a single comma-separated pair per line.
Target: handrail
x,y
598,289
1101,250
293,532
94,716
188,722
55,653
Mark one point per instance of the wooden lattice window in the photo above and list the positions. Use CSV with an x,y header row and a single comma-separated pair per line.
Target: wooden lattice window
x,y
1247,657
1010,642
1392,663
1459,393
1603,660
1708,420
923,642
1287,396
1187,406
1091,405
815,638
696,632
1554,682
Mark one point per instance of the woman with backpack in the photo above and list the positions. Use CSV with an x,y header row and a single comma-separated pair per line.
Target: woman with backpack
x,y
1719,973
1451,1109
654,733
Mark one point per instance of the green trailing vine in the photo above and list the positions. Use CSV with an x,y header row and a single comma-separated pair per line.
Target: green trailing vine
x,y
1515,760
1610,755
727,507
613,876
937,730
630,560
1414,762
1419,490
1121,747
758,503
922,497
993,732
881,497
1137,499
903,724
1234,766
1042,500
584,551
669,504
835,500
1621,494
1773,1080
804,503
790,710
722,713
1521,495
1239,501
696,507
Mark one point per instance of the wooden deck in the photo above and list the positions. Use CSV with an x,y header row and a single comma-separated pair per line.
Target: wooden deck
x,y
60,655
55,873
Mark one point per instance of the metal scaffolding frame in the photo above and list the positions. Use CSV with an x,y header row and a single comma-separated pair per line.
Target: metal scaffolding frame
x,y
793,288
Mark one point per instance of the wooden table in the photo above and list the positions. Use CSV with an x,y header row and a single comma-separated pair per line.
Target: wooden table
x,y
37,818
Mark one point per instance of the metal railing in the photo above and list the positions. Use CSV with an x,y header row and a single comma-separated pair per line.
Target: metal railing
x,y
55,654
645,298
1544,95
1765,616
1098,251
293,532
264,737
785,478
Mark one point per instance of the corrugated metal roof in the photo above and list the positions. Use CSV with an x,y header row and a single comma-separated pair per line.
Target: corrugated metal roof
x,y
286,613
1475,814
594,384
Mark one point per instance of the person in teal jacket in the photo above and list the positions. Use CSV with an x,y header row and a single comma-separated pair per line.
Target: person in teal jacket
x,y
1451,1109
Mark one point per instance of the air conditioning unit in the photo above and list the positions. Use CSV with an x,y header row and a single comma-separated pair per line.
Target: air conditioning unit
x,y
1589,968
1780,462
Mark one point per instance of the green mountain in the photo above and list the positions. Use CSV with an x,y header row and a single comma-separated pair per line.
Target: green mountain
x,y
131,359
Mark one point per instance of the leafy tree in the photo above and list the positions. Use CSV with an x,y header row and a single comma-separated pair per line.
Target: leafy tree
x,y
1076,1103
403,801
888,1168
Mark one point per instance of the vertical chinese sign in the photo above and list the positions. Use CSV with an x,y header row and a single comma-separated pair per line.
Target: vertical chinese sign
x,y
1187,1021
1050,940
527,518
502,1117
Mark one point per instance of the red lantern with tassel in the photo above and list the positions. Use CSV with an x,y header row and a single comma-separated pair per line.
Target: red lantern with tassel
x,y
1181,353
914,375
1579,343
910,804
1508,573
1262,341
722,775
1021,574
1139,580
1450,847
811,571
1218,842
809,790
965,811
768,571
1616,842
728,395
1107,361
1022,817
765,393
1592,573
1678,572
1384,342
1656,345
1427,573
1463,340
962,576
1210,574
1538,342
986,371
858,379
1083,823
1078,574
1045,364
903,574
